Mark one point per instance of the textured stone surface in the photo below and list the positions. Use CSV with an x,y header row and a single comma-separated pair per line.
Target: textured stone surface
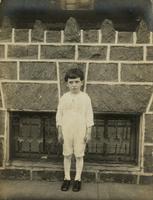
x,y
90,36
48,175
146,179
0,99
143,33
119,98
149,53
88,176
38,71
149,128
108,32
2,122
151,108
137,72
15,174
71,31
148,159
21,35
103,72
53,36
126,53
1,51
63,68
118,178
92,52
1,153
33,96
125,37
23,51
57,52
37,33
6,30
8,70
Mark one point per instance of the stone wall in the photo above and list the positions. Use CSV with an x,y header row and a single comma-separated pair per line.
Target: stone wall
x,y
118,69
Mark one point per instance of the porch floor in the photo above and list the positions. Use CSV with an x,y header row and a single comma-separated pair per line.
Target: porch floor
x,y
42,190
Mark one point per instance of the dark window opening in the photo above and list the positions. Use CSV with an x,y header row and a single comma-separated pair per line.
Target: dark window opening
x,y
114,138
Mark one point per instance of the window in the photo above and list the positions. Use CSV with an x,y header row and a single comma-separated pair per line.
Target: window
x,y
33,135
114,138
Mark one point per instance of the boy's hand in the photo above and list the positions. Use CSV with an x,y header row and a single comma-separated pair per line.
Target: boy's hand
x,y
87,138
60,138
60,135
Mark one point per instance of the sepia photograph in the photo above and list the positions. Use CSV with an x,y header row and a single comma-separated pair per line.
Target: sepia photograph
x,y
76,99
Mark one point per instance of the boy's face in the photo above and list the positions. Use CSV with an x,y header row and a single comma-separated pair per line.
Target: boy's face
x,y
74,85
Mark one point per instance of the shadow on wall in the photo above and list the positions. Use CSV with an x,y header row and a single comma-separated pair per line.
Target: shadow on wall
x,y
125,15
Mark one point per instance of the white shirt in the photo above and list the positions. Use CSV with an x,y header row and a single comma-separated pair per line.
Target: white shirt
x,y
74,113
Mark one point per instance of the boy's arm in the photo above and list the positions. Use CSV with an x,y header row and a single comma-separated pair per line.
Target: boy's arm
x,y
60,134
90,121
59,122
87,137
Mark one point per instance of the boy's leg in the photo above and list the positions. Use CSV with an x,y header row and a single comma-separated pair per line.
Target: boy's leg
x,y
67,167
79,168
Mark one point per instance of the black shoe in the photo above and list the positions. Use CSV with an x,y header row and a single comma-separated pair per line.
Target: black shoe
x,y
65,186
76,186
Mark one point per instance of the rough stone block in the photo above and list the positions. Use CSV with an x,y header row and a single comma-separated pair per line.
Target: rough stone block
x,y
48,175
88,176
137,72
37,33
149,128
6,30
92,52
108,32
149,53
126,53
143,33
23,51
103,72
53,36
72,31
146,180
148,159
63,68
21,35
1,152
90,36
33,96
0,100
125,37
2,122
38,71
15,174
57,52
151,107
1,51
118,178
119,98
8,70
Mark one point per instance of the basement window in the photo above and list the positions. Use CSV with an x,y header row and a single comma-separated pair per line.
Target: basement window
x,y
114,139
33,136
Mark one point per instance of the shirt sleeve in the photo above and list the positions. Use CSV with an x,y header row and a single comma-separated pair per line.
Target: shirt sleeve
x,y
59,114
89,116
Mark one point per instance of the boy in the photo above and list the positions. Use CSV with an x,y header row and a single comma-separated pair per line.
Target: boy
x,y
74,120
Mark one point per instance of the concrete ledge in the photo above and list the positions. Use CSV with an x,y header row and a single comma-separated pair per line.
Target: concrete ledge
x,y
40,190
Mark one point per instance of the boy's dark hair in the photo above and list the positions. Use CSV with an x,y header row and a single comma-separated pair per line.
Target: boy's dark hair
x,y
74,73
